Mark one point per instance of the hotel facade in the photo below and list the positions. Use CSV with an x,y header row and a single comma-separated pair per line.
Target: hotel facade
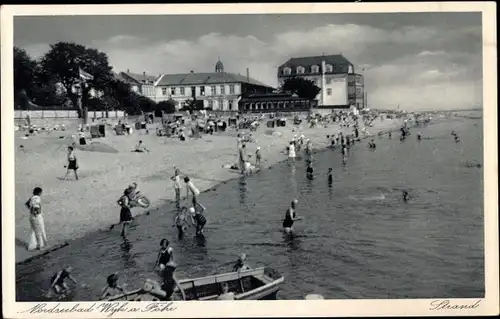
x,y
340,86
217,90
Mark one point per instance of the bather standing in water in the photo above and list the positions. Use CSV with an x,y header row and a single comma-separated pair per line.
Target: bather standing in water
x,y
290,217
406,197
330,176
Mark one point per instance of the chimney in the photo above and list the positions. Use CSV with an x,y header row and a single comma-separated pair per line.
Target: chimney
x,y
144,74
128,70
248,75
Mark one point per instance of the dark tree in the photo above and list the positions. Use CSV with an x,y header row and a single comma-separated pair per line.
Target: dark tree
x,y
25,69
168,107
193,105
63,62
302,87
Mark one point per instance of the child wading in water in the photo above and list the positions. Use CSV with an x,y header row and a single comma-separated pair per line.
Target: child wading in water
x,y
198,219
58,281
72,164
181,222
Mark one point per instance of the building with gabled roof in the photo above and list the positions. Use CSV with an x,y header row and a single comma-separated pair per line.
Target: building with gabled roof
x,y
143,84
217,90
334,74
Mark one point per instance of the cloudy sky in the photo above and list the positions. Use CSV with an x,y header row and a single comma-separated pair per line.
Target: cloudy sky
x,y
416,60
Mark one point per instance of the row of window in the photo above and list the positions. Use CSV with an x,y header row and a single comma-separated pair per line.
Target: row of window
x,y
220,104
275,105
358,91
314,69
213,90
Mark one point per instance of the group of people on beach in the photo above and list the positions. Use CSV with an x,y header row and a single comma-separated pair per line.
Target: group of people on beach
x,y
192,214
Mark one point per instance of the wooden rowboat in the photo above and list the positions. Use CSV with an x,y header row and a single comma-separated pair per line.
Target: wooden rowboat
x,y
254,284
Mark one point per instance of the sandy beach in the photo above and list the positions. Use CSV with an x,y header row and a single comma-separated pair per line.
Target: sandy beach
x,y
75,208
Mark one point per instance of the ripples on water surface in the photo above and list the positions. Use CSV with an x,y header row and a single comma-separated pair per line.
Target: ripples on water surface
x,y
358,238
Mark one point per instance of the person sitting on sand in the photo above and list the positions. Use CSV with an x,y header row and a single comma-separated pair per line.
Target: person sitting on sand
x,y
140,148
198,219
182,136
72,164
165,255
112,288
58,280
226,295
240,264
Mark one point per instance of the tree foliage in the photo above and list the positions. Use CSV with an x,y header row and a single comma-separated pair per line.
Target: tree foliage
x,y
168,107
193,105
51,81
302,87
32,87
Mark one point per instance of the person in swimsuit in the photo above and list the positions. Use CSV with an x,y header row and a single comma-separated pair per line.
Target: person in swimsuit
x,y
112,288
165,290
290,217
181,222
330,176
169,282
406,197
125,212
240,264
72,164
191,188
58,280
165,255
309,171
198,219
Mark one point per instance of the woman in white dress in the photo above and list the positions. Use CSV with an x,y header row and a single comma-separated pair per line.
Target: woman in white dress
x,y
38,238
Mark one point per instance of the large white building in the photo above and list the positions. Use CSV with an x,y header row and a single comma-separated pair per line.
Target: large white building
x,y
217,90
340,86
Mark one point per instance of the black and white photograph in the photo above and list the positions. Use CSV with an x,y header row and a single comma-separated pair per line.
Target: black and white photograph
x,y
232,154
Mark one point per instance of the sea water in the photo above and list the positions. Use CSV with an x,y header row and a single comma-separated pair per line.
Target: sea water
x,y
357,239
